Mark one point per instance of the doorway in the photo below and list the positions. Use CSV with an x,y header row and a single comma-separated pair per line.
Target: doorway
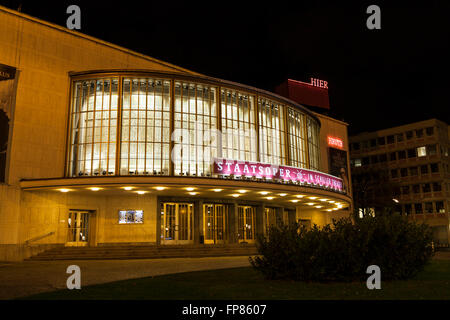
x,y
215,220
78,229
176,223
246,224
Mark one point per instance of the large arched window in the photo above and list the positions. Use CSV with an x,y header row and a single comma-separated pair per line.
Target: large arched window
x,y
271,132
126,125
94,127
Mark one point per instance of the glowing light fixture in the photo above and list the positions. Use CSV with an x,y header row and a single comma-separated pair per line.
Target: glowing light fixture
x,y
269,198
300,196
64,190
235,195
140,192
318,207
242,191
94,189
323,200
160,188
312,198
264,192
295,200
282,194
310,203
217,190
193,193
128,188
190,189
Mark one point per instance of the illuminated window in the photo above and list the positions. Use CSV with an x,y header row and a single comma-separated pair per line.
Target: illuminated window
x,y
440,207
239,136
93,127
271,132
195,132
297,138
145,138
313,144
131,216
421,151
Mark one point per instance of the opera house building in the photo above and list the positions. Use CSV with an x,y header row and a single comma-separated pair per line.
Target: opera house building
x,y
103,146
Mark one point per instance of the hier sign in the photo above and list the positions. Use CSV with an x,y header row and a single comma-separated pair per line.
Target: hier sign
x,y
319,83
268,171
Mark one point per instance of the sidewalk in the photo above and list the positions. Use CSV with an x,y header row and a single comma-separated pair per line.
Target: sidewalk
x,y
31,277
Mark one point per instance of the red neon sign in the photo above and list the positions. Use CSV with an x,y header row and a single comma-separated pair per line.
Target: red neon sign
x,y
319,83
264,170
335,142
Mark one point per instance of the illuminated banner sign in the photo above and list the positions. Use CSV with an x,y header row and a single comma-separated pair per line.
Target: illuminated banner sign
x,y
335,142
268,171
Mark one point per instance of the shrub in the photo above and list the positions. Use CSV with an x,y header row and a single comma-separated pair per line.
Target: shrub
x,y
343,251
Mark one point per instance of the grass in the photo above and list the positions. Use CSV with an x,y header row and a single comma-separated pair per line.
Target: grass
x,y
247,284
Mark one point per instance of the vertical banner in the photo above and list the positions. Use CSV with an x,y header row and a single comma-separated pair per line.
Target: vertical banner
x,y
7,102
338,164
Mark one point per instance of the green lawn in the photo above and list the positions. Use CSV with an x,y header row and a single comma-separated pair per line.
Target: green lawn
x,y
246,283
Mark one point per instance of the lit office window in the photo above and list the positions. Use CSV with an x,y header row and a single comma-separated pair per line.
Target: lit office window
x,y
421,151
271,132
297,139
313,144
239,136
131,216
145,138
93,127
195,129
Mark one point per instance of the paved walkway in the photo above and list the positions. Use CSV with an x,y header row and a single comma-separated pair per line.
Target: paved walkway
x,y
30,277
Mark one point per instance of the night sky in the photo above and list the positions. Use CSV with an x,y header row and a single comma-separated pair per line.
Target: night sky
x,y
377,78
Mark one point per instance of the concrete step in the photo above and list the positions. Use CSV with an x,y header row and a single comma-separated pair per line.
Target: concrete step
x,y
143,252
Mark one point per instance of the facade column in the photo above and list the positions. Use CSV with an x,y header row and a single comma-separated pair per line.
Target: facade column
x,y
260,227
158,221
233,223
198,218
291,216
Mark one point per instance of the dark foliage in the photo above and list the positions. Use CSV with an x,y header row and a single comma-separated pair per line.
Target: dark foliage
x,y
343,251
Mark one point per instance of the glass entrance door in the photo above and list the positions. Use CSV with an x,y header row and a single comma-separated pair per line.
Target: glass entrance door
x,y
215,217
246,223
176,223
78,232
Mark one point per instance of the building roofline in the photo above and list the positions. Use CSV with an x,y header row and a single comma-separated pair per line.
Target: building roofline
x,y
93,39
319,115
399,128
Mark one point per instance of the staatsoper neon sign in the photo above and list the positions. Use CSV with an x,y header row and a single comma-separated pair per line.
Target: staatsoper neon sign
x,y
268,171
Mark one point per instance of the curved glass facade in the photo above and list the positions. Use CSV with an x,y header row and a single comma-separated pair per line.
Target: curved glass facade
x,y
171,126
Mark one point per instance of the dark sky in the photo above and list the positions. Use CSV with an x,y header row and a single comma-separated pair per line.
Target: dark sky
x,y
377,78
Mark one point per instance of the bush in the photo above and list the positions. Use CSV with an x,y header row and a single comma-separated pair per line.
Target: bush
x,y
343,251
